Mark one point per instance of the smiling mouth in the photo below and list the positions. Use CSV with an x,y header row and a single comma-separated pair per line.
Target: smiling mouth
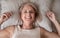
x,y
28,18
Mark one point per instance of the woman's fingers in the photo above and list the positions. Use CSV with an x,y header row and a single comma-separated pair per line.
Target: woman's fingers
x,y
51,16
48,14
5,16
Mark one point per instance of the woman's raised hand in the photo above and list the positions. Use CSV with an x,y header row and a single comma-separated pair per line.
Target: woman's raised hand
x,y
5,16
51,16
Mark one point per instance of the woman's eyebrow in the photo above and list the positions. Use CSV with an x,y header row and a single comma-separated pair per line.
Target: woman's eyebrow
x,y
31,11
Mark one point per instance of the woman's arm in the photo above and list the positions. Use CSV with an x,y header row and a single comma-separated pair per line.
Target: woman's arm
x,y
7,32
46,34
51,16
57,25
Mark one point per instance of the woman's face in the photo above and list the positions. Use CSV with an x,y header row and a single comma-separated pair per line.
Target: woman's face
x,y
28,14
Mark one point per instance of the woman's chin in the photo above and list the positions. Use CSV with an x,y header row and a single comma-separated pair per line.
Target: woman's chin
x,y
28,22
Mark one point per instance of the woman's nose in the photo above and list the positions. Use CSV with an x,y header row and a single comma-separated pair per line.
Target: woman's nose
x,y
28,13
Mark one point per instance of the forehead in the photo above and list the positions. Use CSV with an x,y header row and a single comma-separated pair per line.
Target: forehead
x,y
27,6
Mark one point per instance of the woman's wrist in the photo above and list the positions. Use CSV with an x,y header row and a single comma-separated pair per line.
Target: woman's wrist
x,y
1,21
54,21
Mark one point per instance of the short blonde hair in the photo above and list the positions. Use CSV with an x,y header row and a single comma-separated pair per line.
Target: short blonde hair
x,y
38,15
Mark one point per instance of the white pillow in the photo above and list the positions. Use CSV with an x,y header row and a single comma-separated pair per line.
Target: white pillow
x,y
12,5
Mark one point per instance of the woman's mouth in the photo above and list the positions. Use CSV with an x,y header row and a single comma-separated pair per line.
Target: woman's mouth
x,y
28,18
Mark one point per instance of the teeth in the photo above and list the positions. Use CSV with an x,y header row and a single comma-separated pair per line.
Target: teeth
x,y
28,17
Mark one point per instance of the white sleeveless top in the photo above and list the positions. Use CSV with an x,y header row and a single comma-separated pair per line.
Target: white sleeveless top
x,y
23,33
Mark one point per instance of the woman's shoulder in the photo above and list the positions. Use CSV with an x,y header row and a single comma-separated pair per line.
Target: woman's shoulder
x,y
10,29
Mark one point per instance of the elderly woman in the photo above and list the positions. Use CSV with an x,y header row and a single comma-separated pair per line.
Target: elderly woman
x,y
29,15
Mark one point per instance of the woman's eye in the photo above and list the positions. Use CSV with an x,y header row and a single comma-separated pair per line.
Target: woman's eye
x,y
30,12
25,11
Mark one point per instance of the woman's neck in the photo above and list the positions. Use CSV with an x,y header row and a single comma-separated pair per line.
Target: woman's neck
x,y
27,26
